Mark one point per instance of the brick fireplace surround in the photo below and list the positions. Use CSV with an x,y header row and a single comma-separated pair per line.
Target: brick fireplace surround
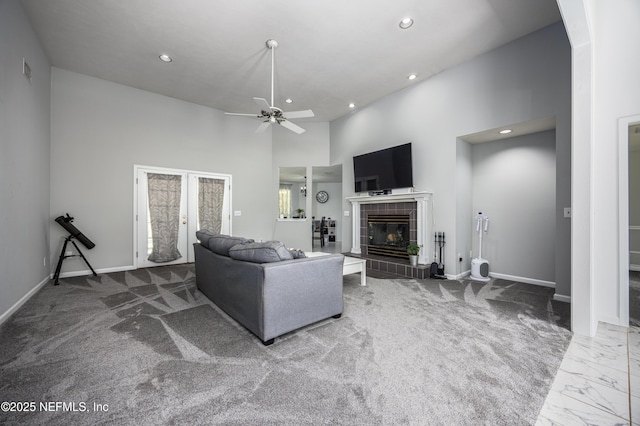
x,y
415,204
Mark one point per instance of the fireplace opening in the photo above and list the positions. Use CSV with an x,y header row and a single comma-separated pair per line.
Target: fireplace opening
x,y
388,235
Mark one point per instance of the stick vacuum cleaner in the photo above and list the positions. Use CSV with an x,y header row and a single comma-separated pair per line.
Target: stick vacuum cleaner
x,y
480,266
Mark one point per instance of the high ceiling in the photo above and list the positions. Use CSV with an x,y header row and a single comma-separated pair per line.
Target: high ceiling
x,y
330,52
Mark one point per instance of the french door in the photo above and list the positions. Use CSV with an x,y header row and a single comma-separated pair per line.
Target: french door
x,y
170,206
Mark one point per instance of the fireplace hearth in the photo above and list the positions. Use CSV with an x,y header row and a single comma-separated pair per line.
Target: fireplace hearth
x,y
388,234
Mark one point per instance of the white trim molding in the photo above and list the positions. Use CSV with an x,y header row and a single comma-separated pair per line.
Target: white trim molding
x,y
460,275
98,271
525,280
5,316
562,298
532,281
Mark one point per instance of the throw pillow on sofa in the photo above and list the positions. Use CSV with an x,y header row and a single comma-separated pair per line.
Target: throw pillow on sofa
x,y
266,252
297,253
219,243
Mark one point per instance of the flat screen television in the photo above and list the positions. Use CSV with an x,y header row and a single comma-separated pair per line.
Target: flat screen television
x,y
383,170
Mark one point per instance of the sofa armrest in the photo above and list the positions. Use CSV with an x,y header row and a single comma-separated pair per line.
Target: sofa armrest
x,y
299,292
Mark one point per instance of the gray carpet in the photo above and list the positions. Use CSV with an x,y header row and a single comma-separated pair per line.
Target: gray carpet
x,y
154,350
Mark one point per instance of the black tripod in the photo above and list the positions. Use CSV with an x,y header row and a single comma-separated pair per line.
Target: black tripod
x,y
63,257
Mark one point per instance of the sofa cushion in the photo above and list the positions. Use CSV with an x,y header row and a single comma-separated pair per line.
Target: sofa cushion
x,y
297,253
204,236
219,243
265,252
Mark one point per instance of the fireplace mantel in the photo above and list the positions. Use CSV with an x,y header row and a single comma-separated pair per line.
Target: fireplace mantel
x,y
423,213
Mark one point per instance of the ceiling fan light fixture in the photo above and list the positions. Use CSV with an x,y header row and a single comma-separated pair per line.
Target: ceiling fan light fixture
x,y
165,58
271,43
269,113
406,23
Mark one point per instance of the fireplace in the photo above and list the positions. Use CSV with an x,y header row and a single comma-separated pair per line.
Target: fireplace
x,y
414,205
388,234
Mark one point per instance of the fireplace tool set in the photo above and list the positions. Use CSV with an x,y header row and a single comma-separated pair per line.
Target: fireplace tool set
x,y
437,268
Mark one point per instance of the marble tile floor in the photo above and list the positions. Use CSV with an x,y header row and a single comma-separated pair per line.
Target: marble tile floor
x,y
598,382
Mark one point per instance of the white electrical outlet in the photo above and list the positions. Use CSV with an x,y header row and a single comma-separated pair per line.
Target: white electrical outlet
x,y
346,212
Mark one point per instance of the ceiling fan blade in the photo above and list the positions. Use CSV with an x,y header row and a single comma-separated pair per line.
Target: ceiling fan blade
x,y
299,114
241,114
262,127
263,104
293,127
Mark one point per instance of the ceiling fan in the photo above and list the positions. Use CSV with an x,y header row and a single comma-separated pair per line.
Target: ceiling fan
x,y
271,114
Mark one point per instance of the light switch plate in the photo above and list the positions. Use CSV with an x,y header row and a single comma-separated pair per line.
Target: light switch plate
x,y
346,212
237,212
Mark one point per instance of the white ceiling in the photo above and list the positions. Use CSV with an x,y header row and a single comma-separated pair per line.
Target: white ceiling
x,y
330,52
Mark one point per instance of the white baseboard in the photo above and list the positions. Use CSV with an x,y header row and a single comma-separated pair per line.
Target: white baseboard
x,y
523,279
562,298
533,281
460,275
22,300
98,271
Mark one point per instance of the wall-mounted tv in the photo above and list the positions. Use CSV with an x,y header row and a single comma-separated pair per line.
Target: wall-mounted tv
x,y
383,170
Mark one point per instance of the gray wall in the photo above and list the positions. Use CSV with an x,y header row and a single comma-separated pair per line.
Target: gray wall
x,y
101,129
514,184
527,79
464,207
24,159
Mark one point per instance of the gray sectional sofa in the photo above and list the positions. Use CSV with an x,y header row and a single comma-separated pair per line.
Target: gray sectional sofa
x,y
263,287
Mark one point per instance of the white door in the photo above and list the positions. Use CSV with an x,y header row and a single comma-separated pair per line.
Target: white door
x,y
195,193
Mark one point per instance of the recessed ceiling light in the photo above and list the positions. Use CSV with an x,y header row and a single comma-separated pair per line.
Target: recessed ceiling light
x,y
288,100
505,131
352,105
412,76
165,58
406,23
